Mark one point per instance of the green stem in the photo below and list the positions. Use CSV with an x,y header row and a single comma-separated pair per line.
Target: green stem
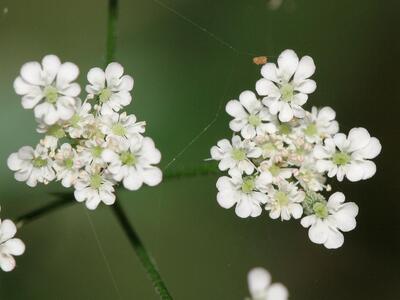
x,y
111,30
144,256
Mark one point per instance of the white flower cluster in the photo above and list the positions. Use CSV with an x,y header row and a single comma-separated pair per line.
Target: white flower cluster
x,y
90,146
281,155
260,287
9,246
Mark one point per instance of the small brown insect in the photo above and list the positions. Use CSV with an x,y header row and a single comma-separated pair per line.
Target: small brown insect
x,y
260,60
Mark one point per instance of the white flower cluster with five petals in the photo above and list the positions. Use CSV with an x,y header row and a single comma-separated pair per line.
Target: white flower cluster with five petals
x,y
281,155
89,145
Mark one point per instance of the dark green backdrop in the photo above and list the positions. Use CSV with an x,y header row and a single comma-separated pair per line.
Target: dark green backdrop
x,y
182,74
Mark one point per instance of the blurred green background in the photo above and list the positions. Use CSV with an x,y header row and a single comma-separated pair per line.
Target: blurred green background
x,y
182,75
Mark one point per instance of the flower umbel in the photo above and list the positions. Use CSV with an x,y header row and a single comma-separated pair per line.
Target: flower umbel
x,y
282,156
88,145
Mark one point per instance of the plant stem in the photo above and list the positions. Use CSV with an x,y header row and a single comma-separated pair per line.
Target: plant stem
x,y
111,30
31,216
144,257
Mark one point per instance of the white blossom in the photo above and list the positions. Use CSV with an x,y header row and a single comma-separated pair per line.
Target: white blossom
x,y
287,86
80,123
111,87
92,188
67,165
260,287
349,156
235,156
133,163
250,116
32,165
329,219
116,125
244,192
9,246
48,88
284,201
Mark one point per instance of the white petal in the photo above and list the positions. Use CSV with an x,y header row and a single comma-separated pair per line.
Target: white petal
x,y
341,141
335,240
249,101
287,62
152,176
7,230
270,72
96,77
355,171
248,131
307,86
15,247
51,65
277,291
243,208
265,87
7,263
326,114
345,217
235,109
258,280
286,113
126,83
113,71
371,150
305,69
14,162
31,72
68,72
318,232
133,182
358,138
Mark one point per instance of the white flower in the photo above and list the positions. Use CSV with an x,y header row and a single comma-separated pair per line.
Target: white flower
x,y
32,165
94,187
235,156
111,86
91,152
286,86
277,172
250,116
272,147
285,202
260,287
67,165
118,126
348,156
244,192
309,178
48,88
318,125
79,124
329,218
133,164
9,246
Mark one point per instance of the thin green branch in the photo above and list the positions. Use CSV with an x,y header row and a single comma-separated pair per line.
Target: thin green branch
x,y
111,30
143,255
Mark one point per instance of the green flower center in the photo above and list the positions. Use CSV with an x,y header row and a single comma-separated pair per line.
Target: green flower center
x,y
287,92
254,120
39,162
320,210
285,128
311,130
96,151
274,170
341,158
105,95
69,163
238,154
268,147
118,129
281,198
56,131
95,181
74,120
51,94
248,185
128,158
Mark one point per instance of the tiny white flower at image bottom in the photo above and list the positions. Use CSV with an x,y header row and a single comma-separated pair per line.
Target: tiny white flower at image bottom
x,y
9,245
260,287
